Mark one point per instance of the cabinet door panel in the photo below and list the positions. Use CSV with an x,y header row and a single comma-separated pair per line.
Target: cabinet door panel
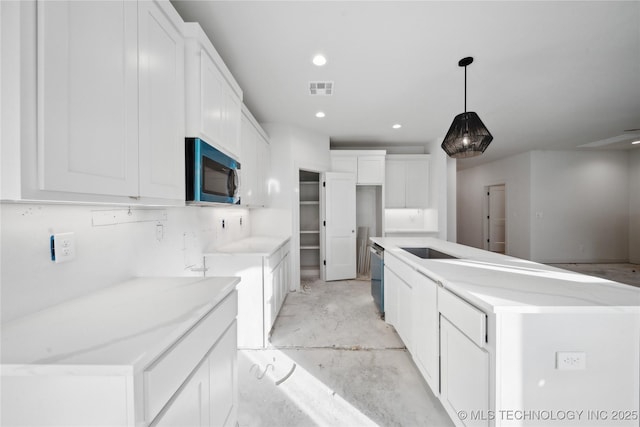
x,y
405,314
264,162
464,375
417,183
344,164
87,97
426,333
371,169
212,99
161,103
394,184
249,164
390,297
191,405
231,122
223,362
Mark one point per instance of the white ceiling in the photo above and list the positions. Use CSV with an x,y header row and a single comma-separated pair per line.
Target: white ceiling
x,y
546,75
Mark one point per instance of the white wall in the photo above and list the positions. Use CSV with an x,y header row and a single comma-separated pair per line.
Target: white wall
x,y
634,207
514,172
561,206
105,254
580,206
292,149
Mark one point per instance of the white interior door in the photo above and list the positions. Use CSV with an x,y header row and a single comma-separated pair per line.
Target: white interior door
x,y
497,219
340,225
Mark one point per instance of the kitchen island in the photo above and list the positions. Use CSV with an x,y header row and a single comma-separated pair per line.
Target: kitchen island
x,y
505,342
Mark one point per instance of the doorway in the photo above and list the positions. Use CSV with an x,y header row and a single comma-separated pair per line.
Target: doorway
x,y
309,216
496,219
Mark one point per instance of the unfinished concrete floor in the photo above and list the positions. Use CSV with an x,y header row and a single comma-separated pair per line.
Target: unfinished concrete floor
x,y
333,362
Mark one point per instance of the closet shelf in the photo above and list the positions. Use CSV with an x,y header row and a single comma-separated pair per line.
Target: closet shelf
x,y
309,231
310,202
309,247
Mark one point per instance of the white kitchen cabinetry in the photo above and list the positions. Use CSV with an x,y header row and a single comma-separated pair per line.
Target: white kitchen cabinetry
x,y
390,296
150,351
161,96
402,279
263,264
464,361
213,97
407,181
367,165
426,332
110,124
255,162
208,398
465,377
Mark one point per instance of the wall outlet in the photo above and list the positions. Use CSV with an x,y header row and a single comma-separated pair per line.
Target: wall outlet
x,y
223,223
63,247
571,360
159,232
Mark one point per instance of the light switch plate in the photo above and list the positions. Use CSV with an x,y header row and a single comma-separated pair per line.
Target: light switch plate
x,y
63,247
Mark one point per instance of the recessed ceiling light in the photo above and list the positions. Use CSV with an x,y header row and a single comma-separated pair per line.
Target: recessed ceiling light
x,y
636,142
319,60
397,126
320,114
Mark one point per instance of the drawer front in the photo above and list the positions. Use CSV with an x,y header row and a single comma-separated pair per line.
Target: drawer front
x,y
468,319
167,373
273,260
402,270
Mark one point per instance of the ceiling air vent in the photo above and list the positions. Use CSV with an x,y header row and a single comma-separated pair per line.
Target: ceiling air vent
x,y
320,88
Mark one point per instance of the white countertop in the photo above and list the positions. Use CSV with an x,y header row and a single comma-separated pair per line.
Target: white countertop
x,y
119,329
255,245
500,283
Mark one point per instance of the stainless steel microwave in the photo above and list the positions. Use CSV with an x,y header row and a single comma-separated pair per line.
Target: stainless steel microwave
x,y
211,175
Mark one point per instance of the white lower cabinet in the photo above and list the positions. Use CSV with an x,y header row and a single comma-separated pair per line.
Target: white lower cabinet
x,y
261,292
146,354
446,337
390,296
405,314
426,334
209,397
191,404
464,371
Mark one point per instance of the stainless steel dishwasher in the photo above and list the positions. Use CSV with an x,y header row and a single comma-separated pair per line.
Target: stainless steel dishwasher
x,y
377,277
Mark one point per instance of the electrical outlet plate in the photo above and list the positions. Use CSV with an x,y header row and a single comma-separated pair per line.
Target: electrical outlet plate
x,y
63,247
571,360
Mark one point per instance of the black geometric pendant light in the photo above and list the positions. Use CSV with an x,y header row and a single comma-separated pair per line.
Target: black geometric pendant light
x,y
467,136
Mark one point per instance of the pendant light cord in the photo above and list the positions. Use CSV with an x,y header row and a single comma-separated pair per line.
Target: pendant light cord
x,y
466,120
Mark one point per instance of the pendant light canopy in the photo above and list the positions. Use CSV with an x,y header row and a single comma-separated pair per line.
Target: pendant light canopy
x,y
467,136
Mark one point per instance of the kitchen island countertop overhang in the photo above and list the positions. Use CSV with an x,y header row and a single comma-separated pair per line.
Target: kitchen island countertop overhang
x,y
500,283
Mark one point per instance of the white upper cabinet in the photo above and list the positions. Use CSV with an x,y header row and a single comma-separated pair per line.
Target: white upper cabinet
x,y
88,97
407,181
255,162
102,119
371,169
161,80
367,165
213,98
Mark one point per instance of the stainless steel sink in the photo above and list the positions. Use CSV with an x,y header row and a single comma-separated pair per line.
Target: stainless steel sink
x,y
428,253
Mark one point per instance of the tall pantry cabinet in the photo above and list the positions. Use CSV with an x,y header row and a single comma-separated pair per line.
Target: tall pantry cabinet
x,y
105,119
